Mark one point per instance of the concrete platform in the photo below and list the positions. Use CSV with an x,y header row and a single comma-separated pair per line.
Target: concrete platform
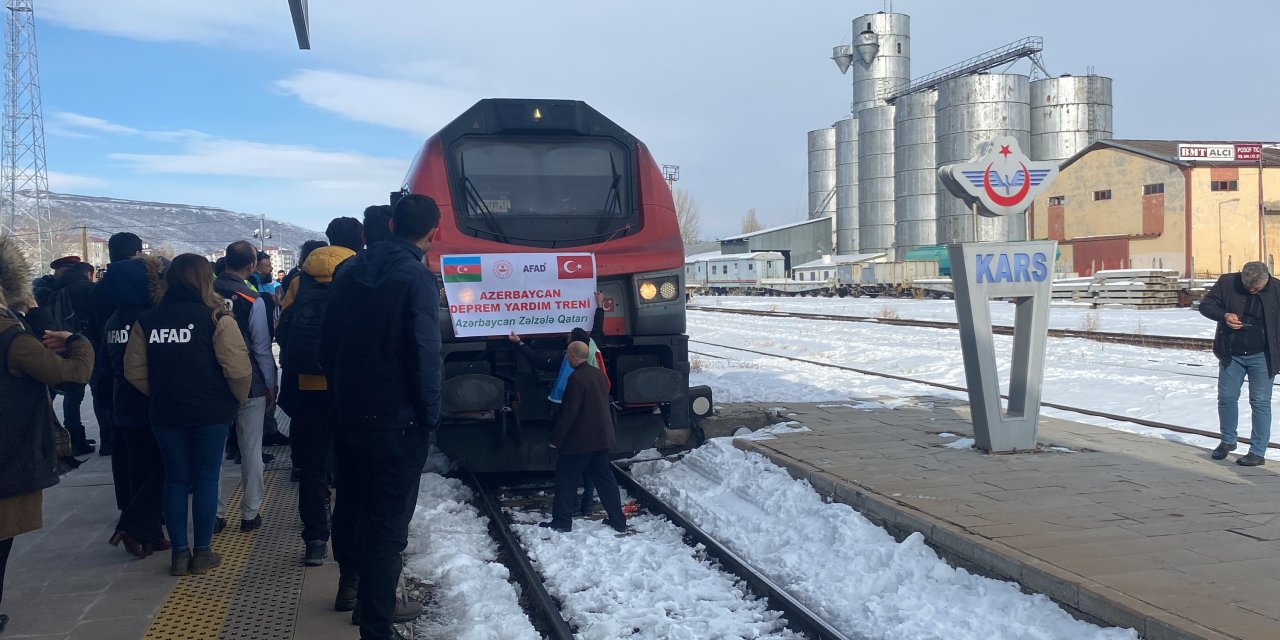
x,y
65,582
1120,529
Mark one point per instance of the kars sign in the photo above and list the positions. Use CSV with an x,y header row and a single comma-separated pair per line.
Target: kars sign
x,y
1023,273
497,293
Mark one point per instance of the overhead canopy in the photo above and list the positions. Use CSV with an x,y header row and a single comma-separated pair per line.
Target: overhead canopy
x,y
301,23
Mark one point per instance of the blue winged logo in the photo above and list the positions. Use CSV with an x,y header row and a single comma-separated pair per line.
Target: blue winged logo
x,y
1001,178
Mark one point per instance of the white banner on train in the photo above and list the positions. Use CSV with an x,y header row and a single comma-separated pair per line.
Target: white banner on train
x,y
529,293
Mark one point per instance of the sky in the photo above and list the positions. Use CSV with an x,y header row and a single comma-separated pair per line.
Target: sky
x,y
211,103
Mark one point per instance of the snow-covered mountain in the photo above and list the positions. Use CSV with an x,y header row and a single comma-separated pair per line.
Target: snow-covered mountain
x,y
187,228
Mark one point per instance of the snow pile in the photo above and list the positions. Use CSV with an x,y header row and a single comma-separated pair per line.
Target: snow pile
x,y
843,567
644,585
1165,385
450,548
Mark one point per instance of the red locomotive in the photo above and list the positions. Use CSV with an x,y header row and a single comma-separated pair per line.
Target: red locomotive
x,y
546,176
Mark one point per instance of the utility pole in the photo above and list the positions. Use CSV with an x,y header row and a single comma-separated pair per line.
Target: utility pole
x,y
25,181
262,232
84,242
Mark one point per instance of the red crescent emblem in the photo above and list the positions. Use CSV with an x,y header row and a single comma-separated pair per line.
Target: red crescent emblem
x,y
1007,201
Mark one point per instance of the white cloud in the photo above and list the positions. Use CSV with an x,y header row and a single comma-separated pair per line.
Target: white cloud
x,y
220,157
247,23
60,182
76,125
409,105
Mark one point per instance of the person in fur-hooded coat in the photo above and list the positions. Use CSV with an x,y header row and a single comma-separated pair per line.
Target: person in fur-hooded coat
x,y
31,440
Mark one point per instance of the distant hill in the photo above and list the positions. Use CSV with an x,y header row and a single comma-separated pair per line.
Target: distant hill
x,y
187,228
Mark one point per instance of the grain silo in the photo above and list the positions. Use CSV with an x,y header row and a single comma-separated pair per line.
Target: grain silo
x,y
972,110
846,227
822,173
915,172
875,180
881,57
1068,113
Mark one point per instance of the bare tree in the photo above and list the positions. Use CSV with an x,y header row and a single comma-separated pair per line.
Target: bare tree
x,y
750,223
63,231
688,216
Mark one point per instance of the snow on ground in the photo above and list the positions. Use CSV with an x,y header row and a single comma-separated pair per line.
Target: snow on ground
x,y
1166,385
646,585
1155,322
450,548
843,567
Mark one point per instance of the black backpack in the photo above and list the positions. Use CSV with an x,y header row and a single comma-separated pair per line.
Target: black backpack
x,y
301,326
62,312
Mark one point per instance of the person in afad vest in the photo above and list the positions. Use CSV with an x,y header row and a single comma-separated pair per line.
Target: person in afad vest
x,y
188,356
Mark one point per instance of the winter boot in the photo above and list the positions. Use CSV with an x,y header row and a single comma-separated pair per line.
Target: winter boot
x,y
405,611
180,563
203,560
348,586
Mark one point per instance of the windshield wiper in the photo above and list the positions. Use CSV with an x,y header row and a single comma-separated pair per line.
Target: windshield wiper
x,y
613,200
473,199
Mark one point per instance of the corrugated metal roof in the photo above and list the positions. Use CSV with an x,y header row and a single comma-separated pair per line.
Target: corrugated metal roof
x,y
841,259
750,256
1167,151
777,228
701,256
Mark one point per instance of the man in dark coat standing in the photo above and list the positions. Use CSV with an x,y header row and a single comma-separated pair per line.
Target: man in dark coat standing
x,y
1246,306
583,437
380,352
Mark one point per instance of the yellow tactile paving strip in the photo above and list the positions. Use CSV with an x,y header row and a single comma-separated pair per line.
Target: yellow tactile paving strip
x,y
196,609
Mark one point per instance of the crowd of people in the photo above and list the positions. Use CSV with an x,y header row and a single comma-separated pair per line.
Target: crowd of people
x,y
179,358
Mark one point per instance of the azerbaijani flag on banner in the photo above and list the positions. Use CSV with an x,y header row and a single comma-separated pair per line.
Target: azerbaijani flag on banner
x,y
462,269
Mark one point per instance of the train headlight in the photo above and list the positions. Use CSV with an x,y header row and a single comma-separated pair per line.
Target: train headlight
x,y
665,288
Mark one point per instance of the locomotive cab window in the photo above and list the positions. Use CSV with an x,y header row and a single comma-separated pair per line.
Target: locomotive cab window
x,y
561,191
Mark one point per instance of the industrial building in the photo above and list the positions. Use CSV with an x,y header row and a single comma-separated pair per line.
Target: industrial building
x,y
1137,204
798,242
875,172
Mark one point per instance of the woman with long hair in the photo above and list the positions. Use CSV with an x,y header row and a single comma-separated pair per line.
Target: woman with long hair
x,y
187,354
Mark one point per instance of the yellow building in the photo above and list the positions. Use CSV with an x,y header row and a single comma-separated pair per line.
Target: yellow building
x,y
1136,204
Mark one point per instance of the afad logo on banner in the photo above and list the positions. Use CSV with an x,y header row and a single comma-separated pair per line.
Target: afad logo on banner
x,y
1002,178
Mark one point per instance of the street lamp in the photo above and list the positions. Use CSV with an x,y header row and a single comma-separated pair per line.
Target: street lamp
x,y
1221,253
671,173
1262,208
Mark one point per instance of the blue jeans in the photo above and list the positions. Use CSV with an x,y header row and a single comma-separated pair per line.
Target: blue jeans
x,y
1230,379
192,459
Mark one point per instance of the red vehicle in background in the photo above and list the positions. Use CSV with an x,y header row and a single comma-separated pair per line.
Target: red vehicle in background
x,y
545,176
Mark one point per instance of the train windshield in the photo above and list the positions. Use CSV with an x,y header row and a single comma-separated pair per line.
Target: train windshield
x,y
539,189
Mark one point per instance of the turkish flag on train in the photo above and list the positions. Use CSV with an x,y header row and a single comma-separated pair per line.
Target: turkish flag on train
x,y
572,267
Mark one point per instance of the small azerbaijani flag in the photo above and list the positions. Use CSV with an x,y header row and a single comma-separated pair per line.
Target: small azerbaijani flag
x,y
462,269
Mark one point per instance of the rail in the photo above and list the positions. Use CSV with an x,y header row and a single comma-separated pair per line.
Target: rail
x,y
543,605
1158,342
799,617
951,387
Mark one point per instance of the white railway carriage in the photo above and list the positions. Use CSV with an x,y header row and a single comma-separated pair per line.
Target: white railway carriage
x,y
743,271
695,269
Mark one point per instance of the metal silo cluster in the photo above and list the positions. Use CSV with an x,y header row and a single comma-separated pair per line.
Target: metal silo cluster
x,y
876,171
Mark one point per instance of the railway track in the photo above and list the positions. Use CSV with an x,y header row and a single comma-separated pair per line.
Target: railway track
x,y
1158,342
950,387
546,611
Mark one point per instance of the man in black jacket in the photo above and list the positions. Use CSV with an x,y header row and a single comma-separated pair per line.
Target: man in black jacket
x,y
380,350
1246,306
582,438
75,279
